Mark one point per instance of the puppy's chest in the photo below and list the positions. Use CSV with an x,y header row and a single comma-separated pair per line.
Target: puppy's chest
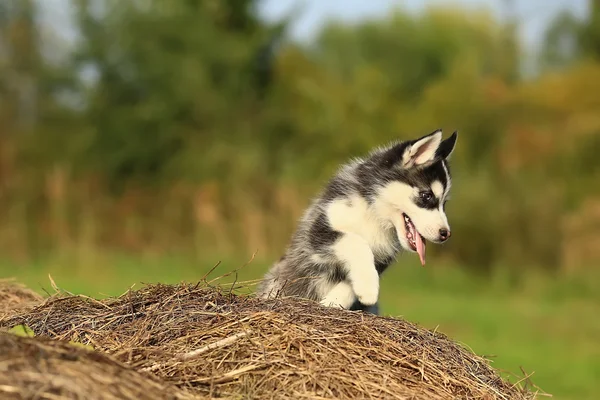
x,y
381,239
354,215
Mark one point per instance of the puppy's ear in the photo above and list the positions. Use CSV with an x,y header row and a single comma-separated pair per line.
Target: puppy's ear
x,y
422,150
447,146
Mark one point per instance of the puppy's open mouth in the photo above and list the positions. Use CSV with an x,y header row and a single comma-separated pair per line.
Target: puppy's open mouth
x,y
414,238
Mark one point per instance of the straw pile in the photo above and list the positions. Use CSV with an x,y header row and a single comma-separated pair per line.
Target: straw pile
x,y
49,369
14,296
213,343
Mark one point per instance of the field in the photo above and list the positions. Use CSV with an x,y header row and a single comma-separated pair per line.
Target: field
x,y
547,326
160,140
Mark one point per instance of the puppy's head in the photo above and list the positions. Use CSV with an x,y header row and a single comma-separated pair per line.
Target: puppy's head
x,y
413,189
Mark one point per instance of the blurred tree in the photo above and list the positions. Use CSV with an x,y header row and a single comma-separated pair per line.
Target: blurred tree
x,y
163,92
590,32
33,90
509,66
413,51
166,74
568,38
561,41
20,64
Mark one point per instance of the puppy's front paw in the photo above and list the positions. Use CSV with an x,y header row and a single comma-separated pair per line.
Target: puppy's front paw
x,y
367,289
340,296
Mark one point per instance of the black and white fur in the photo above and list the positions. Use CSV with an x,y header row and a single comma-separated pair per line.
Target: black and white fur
x,y
359,223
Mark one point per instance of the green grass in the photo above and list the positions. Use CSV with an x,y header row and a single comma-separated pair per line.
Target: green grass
x,y
549,327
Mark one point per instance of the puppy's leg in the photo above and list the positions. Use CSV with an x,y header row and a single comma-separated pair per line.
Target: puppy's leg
x,y
358,259
341,295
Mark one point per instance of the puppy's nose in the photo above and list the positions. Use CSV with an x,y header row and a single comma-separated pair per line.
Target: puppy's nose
x,y
444,234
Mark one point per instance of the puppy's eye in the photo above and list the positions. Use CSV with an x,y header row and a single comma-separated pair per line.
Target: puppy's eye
x,y
426,196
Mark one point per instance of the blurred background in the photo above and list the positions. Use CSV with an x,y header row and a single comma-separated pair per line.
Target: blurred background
x,y
144,141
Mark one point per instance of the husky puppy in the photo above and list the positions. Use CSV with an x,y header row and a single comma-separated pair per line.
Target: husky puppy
x,y
372,209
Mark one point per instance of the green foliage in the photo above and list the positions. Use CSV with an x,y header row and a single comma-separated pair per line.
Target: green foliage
x,y
25,331
192,127
569,38
414,51
166,76
561,44
590,31
21,330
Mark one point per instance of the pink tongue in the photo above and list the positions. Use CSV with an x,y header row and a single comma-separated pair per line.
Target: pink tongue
x,y
420,248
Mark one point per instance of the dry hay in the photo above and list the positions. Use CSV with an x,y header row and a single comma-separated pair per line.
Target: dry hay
x,y
14,295
50,369
213,343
